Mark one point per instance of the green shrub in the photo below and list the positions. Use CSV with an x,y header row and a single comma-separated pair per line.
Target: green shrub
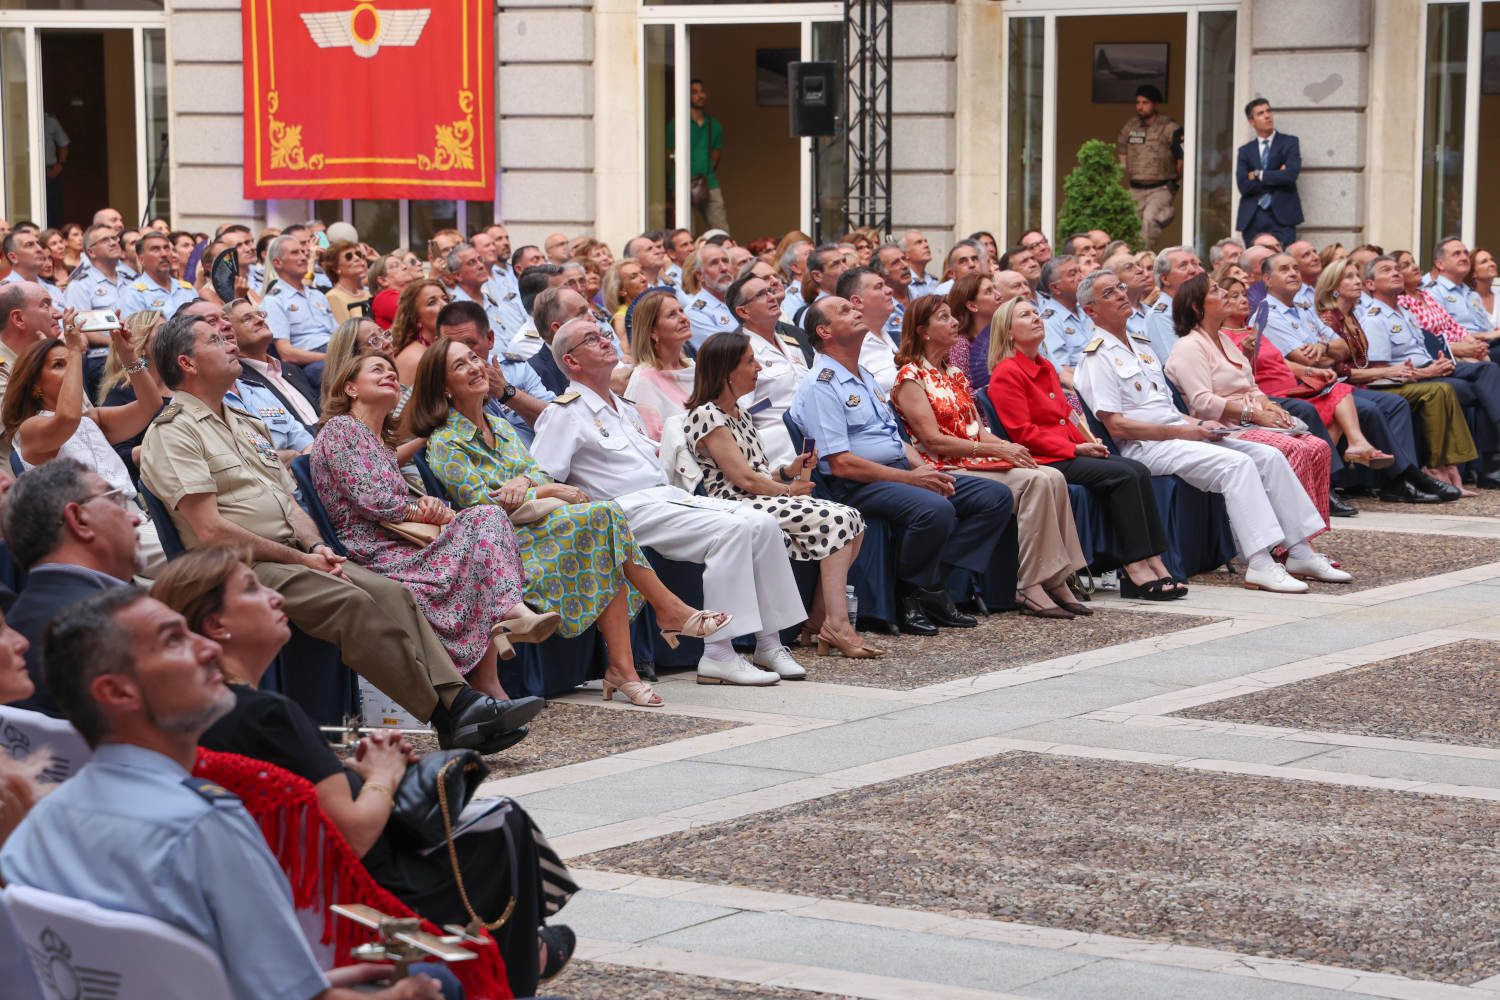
x,y
1095,198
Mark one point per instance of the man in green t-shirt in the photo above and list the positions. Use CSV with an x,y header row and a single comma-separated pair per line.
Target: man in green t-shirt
x,y
707,146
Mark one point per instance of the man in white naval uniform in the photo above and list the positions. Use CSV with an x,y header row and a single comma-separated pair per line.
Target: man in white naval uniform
x,y
782,367
1121,380
595,440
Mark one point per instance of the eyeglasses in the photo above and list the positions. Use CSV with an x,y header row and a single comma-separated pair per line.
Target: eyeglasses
x,y
1112,292
116,495
214,339
764,291
592,338
1033,245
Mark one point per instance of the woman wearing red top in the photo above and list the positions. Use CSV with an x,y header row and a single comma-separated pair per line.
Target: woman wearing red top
x,y
935,404
1029,398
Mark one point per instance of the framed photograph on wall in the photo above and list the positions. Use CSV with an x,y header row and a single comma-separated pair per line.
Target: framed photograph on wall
x,y
771,76
1121,67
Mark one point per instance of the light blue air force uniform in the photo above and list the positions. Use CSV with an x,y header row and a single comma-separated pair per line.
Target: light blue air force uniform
x,y
287,432
1394,335
52,290
492,311
707,315
1158,329
1290,327
144,293
846,411
519,373
91,288
1137,324
301,315
1463,304
921,285
133,831
504,288
1067,331
1305,297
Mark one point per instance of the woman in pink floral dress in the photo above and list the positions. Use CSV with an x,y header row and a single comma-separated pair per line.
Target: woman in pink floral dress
x,y
469,581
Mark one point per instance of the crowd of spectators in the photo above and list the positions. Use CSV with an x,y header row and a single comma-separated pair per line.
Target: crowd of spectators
x,y
497,434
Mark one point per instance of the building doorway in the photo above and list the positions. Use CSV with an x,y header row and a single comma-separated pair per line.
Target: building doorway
x,y
105,86
769,179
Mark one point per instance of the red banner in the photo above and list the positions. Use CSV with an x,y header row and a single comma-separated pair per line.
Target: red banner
x,y
359,99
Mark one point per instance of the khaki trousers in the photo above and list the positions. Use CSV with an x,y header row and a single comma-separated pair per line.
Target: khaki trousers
x,y
1044,523
713,213
1156,210
376,624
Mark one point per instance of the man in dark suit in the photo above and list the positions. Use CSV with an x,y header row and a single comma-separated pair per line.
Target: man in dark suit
x,y
74,535
550,310
1266,173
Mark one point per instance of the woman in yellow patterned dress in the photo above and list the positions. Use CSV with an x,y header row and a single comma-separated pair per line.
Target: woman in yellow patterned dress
x,y
581,559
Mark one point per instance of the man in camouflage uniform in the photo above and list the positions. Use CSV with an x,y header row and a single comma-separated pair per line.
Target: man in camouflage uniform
x,y
1150,149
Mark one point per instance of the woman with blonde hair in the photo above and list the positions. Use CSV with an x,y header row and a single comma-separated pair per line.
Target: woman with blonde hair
x,y
415,326
663,378
622,283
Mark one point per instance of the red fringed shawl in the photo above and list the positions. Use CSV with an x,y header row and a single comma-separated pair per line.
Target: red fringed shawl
x,y
286,807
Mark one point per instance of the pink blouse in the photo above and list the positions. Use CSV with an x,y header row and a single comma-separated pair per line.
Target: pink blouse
x,y
1207,379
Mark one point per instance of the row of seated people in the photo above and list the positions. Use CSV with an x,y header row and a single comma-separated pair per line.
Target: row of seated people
x,y
162,689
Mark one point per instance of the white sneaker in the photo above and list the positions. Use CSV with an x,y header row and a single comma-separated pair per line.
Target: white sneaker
x,y
738,671
781,661
1316,568
1275,579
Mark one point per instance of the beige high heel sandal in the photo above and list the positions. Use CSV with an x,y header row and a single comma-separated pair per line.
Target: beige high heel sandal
x,y
523,626
638,693
699,625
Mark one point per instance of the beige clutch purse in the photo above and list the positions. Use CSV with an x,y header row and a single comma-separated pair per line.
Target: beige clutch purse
x,y
418,533
534,510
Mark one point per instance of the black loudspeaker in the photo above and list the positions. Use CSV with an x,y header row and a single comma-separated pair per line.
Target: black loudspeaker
x,y
813,93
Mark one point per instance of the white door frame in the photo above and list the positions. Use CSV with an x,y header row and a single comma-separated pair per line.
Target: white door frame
x,y
1049,11
682,17
104,20
1472,72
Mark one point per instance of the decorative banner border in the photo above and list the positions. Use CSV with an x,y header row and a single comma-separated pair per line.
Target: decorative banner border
x,y
292,155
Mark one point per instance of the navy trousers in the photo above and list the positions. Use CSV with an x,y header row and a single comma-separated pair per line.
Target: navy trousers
x,y
935,534
1264,222
1478,388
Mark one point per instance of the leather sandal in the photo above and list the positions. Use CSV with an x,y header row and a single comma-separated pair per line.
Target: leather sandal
x,y
1155,590
1027,606
699,625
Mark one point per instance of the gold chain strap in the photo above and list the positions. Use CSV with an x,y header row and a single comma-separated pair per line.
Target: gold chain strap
x,y
476,921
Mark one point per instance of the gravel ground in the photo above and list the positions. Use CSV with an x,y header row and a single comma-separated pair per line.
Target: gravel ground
x,y
1486,504
566,733
1382,881
598,981
1443,695
1377,558
1004,639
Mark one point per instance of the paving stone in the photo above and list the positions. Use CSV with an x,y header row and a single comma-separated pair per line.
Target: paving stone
x,y
567,733
1441,695
1142,981
658,789
1387,882
1379,558
1180,742
618,916
1001,640
1485,503
598,981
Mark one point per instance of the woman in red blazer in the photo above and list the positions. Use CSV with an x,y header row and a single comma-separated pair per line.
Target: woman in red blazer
x,y
1029,399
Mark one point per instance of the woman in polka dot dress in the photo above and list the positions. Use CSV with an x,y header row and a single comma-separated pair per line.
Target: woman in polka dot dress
x,y
729,449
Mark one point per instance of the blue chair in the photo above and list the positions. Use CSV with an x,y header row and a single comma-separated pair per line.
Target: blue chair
x,y
166,531
301,469
16,465
430,482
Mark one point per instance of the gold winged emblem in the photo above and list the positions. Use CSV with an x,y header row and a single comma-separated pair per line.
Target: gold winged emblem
x,y
336,29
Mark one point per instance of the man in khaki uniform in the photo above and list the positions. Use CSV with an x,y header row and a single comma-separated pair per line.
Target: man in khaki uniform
x,y
1150,148
213,466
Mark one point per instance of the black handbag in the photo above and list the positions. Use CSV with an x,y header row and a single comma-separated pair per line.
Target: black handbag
x,y
698,191
418,814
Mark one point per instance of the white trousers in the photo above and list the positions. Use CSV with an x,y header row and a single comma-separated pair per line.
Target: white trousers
x,y
1267,504
745,567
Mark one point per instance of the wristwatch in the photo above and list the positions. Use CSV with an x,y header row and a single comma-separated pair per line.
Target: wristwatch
x,y
507,393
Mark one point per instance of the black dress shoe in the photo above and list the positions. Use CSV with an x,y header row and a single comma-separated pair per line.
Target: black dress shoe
x,y
647,672
940,610
1401,491
913,620
1338,508
1486,481
478,722
1445,492
877,625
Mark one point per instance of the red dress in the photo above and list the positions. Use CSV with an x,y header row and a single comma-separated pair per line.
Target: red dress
x,y
1276,378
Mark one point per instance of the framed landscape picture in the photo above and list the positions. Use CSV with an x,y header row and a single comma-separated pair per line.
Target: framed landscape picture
x,y
1121,67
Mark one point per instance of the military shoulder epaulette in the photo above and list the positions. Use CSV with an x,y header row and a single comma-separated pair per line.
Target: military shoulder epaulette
x,y
697,304
169,414
513,358
184,284
1093,345
1047,313
565,398
139,286
532,334
1374,311
1144,340
1161,306
789,339
826,375
208,790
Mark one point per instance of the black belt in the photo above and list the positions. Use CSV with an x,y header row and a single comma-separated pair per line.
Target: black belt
x,y
1143,185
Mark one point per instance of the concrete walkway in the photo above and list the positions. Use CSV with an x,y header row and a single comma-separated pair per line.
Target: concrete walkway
x,y
802,741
